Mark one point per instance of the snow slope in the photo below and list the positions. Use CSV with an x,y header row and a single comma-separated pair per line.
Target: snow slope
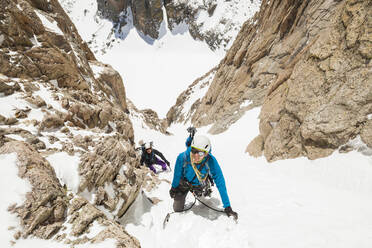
x,y
292,203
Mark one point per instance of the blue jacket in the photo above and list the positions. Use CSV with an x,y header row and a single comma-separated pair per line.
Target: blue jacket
x,y
183,169
188,141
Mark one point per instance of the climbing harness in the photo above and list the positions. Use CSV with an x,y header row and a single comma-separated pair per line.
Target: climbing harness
x,y
197,191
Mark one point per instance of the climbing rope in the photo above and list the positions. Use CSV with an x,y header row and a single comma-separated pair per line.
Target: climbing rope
x,y
205,204
184,210
166,220
197,172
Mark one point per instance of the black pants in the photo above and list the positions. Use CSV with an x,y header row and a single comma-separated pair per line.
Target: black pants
x,y
183,190
179,201
180,198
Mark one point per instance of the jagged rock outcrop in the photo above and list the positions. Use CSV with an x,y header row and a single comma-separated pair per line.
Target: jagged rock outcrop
x,y
47,203
65,103
147,14
47,207
103,168
179,12
111,82
37,46
147,17
366,133
148,117
181,112
112,9
308,63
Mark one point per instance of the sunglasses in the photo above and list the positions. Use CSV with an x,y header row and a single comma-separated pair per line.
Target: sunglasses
x,y
194,150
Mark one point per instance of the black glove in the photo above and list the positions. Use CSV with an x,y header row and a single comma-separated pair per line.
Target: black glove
x,y
173,192
230,212
192,131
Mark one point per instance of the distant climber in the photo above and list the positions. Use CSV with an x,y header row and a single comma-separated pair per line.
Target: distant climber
x,y
149,157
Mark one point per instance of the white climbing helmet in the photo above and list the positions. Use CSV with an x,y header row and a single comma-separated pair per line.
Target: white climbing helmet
x,y
148,145
202,143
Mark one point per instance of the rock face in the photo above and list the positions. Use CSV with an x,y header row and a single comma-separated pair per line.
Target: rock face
x,y
111,82
47,207
148,117
41,48
308,64
68,104
147,14
111,9
47,203
180,111
366,133
147,17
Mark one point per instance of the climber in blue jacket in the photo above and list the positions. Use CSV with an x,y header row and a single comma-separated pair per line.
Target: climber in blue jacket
x,y
193,171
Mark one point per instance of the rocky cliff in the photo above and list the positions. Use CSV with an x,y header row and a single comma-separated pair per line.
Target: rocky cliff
x,y
308,64
212,21
147,14
57,100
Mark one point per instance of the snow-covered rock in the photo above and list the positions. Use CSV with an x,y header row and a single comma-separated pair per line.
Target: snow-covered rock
x,y
308,69
65,116
216,22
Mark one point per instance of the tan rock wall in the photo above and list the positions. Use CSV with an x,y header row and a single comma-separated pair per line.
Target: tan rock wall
x,y
47,207
111,78
47,66
41,51
40,207
308,64
147,14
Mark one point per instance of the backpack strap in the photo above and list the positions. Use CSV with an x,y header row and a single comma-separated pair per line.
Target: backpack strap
x,y
205,163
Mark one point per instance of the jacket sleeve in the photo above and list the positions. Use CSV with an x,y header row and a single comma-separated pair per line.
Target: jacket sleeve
x,y
219,180
160,155
178,168
142,158
188,141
